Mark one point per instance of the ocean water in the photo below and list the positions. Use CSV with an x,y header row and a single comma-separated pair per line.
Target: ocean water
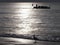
x,y
22,19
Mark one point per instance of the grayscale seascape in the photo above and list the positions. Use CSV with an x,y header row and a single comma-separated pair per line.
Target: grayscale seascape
x,y
21,19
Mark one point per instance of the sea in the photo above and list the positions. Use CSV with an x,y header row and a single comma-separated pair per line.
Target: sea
x,y
20,18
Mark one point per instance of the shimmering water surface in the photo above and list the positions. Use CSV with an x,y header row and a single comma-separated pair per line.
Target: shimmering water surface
x,y
22,19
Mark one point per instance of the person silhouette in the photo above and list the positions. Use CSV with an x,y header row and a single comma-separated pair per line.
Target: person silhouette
x,y
34,38
32,4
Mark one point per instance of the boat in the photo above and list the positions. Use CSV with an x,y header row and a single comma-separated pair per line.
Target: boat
x,y
41,7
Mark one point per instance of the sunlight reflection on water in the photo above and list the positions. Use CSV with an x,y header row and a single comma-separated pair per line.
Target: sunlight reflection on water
x,y
24,16
6,40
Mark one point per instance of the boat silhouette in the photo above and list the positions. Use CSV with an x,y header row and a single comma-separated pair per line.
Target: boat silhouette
x,y
41,7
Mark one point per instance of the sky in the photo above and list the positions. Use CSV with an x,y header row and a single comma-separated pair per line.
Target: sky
x,y
30,0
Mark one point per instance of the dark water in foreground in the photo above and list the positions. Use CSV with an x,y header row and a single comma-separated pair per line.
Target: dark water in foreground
x,y
22,19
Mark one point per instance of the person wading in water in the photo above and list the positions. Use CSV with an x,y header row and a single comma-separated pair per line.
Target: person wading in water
x,y
34,38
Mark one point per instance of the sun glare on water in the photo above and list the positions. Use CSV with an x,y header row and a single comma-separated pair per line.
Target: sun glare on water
x,y
26,6
24,15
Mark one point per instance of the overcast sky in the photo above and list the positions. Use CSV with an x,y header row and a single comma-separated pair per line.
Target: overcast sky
x,y
31,0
